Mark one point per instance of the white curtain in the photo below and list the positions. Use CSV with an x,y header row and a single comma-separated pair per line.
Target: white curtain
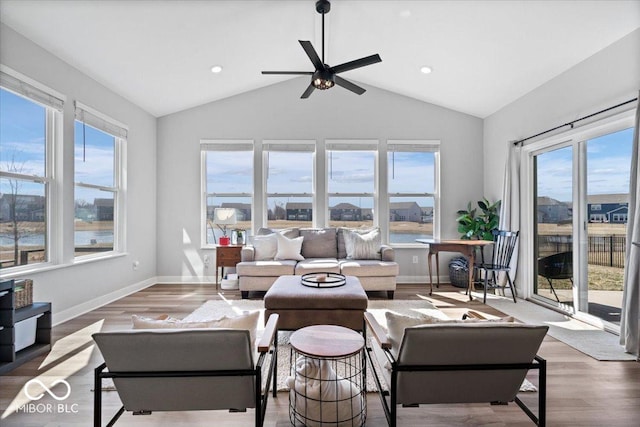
x,y
510,205
630,321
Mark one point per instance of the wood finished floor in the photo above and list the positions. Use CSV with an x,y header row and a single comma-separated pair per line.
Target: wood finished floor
x,y
581,391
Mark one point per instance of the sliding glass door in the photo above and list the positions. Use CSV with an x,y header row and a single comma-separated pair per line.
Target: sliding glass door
x,y
580,208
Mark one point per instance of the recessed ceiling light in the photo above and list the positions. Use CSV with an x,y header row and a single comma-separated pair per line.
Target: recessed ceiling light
x,y
426,70
216,69
405,13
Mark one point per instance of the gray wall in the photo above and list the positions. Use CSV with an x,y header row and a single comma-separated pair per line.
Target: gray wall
x,y
277,112
76,288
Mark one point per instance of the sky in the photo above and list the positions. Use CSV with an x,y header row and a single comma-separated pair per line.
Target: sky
x,y
608,167
22,141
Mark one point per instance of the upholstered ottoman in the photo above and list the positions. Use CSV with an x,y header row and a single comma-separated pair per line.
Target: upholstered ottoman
x,y
300,306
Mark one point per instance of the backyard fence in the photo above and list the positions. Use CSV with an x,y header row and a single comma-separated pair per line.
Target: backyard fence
x,y
608,251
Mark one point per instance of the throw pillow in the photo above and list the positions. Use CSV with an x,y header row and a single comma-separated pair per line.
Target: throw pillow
x,y
265,247
342,233
363,246
289,248
397,323
319,243
246,321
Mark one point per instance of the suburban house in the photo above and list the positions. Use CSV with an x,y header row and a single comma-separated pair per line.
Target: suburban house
x,y
150,115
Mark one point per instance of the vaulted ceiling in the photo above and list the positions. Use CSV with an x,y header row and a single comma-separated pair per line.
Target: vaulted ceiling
x,y
484,54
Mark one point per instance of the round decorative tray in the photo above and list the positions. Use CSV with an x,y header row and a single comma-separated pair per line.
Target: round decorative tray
x,y
323,280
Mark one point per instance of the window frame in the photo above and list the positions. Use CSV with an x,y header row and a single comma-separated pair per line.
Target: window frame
x,y
213,145
353,145
423,145
119,132
296,146
53,103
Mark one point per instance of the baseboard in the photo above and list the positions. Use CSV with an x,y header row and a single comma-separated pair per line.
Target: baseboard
x,y
85,307
169,280
421,279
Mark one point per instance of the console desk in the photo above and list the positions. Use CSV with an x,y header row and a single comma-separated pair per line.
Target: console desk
x,y
465,247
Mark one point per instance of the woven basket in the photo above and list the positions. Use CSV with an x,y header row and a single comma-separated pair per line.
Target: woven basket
x,y
459,272
23,292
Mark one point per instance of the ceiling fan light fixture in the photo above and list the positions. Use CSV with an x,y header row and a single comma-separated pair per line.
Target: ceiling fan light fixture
x,y
323,79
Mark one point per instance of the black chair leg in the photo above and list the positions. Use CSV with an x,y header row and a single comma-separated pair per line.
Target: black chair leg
x,y
486,284
513,288
552,289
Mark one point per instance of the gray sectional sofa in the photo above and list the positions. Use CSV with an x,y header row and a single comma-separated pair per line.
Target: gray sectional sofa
x,y
323,250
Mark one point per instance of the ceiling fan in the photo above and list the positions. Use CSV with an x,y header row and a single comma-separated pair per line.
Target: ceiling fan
x,y
324,76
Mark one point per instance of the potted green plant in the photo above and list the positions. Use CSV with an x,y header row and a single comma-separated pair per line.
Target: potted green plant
x,y
479,225
473,223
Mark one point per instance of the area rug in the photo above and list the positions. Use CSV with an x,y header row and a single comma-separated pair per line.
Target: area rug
x,y
592,341
218,308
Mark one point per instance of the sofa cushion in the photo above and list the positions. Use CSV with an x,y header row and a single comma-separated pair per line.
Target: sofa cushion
x,y
289,248
319,243
265,247
368,267
318,265
271,268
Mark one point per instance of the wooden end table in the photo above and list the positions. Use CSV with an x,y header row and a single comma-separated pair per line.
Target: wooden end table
x,y
227,256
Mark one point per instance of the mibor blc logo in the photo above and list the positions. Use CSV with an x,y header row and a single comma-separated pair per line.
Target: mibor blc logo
x,y
35,390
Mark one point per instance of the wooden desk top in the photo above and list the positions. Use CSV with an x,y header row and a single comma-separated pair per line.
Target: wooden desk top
x,y
326,341
459,242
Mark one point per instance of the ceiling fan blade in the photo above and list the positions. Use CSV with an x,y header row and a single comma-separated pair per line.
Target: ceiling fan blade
x,y
309,73
348,85
308,92
312,54
351,65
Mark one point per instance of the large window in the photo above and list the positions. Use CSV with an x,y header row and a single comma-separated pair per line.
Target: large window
x,y
28,119
351,182
411,183
338,183
98,182
228,183
289,169
579,207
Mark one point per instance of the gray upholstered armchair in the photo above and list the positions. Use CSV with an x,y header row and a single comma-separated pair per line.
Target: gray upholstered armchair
x,y
186,370
457,363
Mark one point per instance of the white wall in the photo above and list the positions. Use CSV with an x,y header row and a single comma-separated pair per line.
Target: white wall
x,y
76,288
277,112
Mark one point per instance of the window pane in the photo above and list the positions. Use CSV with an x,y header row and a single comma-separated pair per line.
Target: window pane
x,y
350,211
553,223
410,218
285,212
242,205
411,172
351,171
94,225
94,156
22,135
22,222
229,172
290,173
